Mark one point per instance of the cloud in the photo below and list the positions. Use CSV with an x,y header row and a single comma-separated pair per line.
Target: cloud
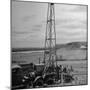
x,y
21,32
73,26
71,8
80,8
70,32
28,18
36,28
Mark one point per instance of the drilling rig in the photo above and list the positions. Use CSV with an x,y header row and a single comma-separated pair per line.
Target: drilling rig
x,y
50,58
50,39
49,72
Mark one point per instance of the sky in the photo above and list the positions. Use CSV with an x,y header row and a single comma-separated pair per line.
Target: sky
x,y
28,23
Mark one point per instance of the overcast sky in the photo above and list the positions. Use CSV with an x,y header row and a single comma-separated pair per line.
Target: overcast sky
x,y
29,23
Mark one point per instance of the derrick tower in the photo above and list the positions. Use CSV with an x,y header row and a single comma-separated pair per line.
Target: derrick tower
x,y
50,37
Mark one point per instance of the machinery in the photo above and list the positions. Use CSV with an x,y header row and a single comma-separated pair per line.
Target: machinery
x,y
51,73
50,38
48,72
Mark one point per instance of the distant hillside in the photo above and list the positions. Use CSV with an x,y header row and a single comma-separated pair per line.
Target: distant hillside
x,y
26,49
71,45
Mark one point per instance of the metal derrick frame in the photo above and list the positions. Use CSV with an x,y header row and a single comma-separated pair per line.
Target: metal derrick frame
x,y
50,38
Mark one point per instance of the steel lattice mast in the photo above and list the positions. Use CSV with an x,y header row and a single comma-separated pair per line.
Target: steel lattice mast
x,y
50,37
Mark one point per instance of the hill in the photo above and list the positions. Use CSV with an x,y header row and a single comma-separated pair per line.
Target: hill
x,y
71,45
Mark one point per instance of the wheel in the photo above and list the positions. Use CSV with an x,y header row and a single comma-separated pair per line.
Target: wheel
x,y
49,81
38,83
